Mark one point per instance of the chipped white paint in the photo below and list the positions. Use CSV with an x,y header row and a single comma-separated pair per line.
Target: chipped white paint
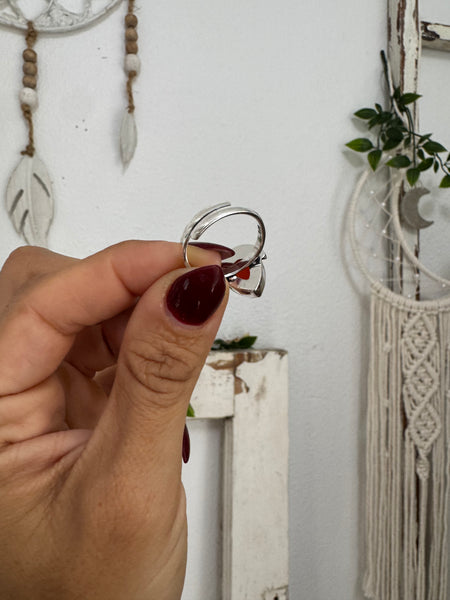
x,y
435,36
278,594
404,45
250,390
213,396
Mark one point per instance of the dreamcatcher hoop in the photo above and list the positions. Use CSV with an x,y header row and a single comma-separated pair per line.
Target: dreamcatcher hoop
x,y
55,18
392,231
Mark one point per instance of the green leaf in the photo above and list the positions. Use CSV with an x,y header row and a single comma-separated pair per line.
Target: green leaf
x,y
436,167
379,108
424,137
385,117
375,121
360,145
431,147
190,411
243,343
365,113
394,133
246,342
421,154
374,158
390,144
409,98
399,162
445,183
425,164
412,175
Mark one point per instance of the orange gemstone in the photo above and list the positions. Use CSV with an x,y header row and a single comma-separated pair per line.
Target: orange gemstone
x,y
244,274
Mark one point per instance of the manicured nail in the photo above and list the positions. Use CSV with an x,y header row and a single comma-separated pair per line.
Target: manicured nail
x,y
196,295
186,445
224,251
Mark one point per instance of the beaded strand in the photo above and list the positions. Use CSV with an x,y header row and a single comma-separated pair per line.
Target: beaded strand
x,y
28,96
132,61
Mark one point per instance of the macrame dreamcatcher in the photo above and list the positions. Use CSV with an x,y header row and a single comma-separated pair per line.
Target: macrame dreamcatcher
x,y
29,196
408,417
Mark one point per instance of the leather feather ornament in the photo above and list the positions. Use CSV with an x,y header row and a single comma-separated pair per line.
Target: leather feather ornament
x,y
128,138
29,200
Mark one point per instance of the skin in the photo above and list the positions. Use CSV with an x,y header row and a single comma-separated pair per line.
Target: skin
x,y
95,380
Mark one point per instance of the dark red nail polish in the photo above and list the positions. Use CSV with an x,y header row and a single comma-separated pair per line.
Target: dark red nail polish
x,y
186,452
224,251
196,295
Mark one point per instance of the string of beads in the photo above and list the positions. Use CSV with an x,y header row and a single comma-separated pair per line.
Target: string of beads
x,y
28,96
132,61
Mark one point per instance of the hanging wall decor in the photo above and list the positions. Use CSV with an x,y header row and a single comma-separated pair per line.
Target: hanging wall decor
x,y
29,196
408,419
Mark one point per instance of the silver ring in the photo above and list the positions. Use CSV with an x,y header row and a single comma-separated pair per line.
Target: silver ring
x,y
246,274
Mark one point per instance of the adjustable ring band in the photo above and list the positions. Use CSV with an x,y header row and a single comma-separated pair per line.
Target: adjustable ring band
x,y
247,257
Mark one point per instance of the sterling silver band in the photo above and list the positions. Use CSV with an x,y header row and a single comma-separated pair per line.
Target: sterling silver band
x,y
252,285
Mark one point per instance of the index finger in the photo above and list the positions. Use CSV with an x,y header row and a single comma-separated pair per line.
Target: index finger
x,y
38,329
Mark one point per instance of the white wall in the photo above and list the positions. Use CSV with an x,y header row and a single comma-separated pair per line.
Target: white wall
x,y
249,102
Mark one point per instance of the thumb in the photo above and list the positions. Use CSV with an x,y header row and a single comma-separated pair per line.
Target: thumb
x,y
167,340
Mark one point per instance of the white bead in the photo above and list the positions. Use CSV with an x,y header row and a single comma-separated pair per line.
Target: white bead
x,y
132,63
29,96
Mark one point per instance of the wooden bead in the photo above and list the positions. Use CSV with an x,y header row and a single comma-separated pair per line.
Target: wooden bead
x,y
29,68
29,81
29,97
131,34
131,47
132,63
131,20
29,55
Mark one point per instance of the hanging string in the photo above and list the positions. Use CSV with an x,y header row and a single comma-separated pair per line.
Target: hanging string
x,y
132,62
28,95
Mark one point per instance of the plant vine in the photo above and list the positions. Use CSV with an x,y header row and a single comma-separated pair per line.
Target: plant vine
x,y
393,129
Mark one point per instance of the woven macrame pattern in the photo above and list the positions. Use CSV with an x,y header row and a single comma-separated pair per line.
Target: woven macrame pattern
x,y
407,455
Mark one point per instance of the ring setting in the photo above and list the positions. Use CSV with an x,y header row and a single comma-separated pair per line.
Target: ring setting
x,y
244,271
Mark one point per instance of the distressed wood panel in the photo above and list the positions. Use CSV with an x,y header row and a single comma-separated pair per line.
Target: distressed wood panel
x,y
213,396
435,36
255,480
404,46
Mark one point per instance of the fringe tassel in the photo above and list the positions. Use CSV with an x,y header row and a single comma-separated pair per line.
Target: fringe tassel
x,y
407,458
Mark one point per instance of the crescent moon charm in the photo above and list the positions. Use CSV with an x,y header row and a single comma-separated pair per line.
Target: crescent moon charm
x,y
409,209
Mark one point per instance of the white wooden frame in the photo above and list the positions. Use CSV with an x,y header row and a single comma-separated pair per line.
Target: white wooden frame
x,y
250,391
406,37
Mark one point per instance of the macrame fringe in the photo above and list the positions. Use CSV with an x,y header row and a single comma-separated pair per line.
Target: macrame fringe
x,y
407,457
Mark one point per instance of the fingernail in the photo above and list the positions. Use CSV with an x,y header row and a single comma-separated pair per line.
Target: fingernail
x,y
186,452
224,251
196,295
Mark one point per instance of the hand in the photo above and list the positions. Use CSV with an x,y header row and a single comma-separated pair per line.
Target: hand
x,y
98,359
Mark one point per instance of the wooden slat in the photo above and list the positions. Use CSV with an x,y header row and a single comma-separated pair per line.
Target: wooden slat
x,y
213,396
404,52
435,36
255,525
249,390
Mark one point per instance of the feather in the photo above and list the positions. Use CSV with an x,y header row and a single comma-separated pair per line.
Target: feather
x,y
29,200
128,138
